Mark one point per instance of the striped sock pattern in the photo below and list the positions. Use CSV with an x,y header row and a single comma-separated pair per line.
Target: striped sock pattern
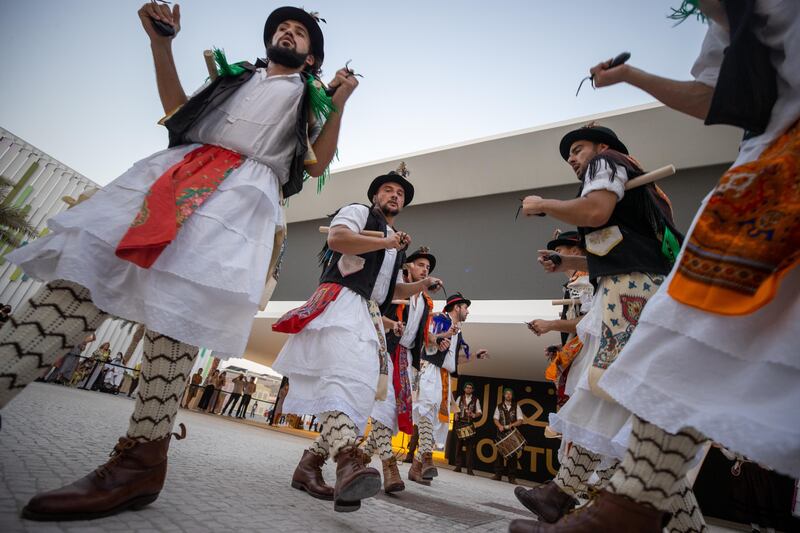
x,y
686,515
166,365
338,431
605,475
55,319
425,426
320,447
654,463
380,440
576,470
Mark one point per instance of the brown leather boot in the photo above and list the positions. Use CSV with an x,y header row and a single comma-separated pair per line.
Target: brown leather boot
x,y
415,472
131,479
392,482
547,501
429,471
308,476
354,480
607,512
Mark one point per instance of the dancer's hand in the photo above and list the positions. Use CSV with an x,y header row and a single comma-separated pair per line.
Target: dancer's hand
x,y
533,205
547,264
398,328
482,354
346,81
604,76
540,327
429,282
397,240
444,344
153,11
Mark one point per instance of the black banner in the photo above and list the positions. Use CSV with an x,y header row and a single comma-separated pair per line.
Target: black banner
x,y
539,459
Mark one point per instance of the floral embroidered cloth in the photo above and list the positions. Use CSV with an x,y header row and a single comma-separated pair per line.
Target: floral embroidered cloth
x,y
748,235
295,320
178,193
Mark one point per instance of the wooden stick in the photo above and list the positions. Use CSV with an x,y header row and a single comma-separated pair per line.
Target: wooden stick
x,y
367,233
650,177
567,301
400,302
208,55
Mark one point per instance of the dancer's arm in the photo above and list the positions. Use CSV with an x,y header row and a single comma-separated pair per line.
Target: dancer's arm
x,y
346,241
540,327
592,210
568,262
690,97
406,290
325,145
169,85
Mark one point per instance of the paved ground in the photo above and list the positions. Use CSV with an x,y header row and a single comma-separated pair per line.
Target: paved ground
x,y
226,476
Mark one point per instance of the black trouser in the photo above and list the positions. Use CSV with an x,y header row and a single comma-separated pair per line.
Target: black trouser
x,y
232,399
506,466
134,384
243,405
469,444
206,397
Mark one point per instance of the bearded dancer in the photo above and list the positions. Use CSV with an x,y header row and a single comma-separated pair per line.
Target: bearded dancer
x,y
440,362
728,311
624,232
407,329
234,154
336,359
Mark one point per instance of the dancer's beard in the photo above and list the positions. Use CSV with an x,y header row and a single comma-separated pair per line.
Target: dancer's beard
x,y
288,57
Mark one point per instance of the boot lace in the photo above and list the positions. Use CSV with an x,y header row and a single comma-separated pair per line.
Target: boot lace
x,y
126,443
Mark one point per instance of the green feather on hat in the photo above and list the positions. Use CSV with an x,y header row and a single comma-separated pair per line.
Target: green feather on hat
x,y
688,8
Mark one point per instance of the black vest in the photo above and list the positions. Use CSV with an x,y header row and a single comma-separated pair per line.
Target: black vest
x,y
464,407
363,281
393,340
507,417
641,216
220,90
437,359
747,86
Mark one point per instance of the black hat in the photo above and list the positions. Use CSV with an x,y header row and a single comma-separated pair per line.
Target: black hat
x,y
423,253
455,298
309,20
395,176
592,133
565,238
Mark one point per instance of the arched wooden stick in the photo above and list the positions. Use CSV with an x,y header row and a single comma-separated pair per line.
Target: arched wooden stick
x,y
208,55
400,302
367,233
650,177
567,301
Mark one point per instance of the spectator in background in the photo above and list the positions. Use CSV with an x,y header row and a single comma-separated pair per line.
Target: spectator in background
x,y
238,387
215,406
5,312
100,356
249,389
135,381
194,387
253,409
208,391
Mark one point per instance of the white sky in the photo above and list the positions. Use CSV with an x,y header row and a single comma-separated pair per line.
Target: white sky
x,y
78,80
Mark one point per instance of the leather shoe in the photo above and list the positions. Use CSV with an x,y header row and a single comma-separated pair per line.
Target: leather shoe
x,y
548,501
131,479
354,480
308,476
392,482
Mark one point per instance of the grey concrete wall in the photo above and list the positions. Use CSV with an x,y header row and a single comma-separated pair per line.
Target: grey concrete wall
x,y
480,249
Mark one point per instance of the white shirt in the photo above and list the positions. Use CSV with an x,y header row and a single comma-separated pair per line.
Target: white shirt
x,y
416,306
467,399
781,33
354,218
497,412
601,180
450,359
258,121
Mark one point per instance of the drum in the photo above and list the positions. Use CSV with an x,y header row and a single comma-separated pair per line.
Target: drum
x,y
512,443
465,431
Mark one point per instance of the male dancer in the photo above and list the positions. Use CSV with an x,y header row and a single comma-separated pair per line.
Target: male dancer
x,y
407,333
728,311
469,410
577,286
336,360
237,135
623,232
440,362
507,417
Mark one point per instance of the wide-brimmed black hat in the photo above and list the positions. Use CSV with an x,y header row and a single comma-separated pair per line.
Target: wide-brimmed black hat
x,y
454,299
395,176
423,253
565,238
309,20
591,133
